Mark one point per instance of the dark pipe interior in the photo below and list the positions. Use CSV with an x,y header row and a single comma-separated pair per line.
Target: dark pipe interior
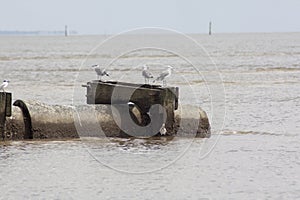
x,y
26,117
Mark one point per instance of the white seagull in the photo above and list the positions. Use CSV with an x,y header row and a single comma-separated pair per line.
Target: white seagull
x,y
163,130
146,74
165,74
4,85
100,72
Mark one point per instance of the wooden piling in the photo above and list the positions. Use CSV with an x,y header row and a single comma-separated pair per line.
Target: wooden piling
x,y
209,28
5,111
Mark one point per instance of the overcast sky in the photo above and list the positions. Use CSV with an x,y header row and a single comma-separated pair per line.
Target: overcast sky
x,y
188,16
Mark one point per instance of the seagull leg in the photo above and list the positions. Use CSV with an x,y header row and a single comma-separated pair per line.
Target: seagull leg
x,y
164,83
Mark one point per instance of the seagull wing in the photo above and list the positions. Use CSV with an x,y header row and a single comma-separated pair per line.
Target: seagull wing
x,y
163,75
103,72
98,71
147,74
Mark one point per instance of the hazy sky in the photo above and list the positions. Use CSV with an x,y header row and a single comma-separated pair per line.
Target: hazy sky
x,y
188,16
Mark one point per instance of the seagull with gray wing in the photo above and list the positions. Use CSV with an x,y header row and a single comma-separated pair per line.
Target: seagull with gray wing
x,y
147,74
4,85
100,72
165,74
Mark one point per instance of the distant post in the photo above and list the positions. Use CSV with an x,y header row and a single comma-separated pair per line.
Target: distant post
x,y
209,28
66,30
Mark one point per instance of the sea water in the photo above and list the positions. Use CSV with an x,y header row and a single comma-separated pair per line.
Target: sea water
x,y
253,105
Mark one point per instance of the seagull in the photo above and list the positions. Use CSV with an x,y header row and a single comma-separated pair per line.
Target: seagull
x,y
163,130
165,74
146,74
100,72
4,85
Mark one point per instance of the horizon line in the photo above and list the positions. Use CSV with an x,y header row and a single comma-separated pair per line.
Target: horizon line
x,y
76,33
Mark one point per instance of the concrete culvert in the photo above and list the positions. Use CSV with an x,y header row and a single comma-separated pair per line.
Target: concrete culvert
x,y
60,121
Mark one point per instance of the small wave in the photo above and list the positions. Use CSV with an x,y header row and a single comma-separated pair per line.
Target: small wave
x,y
296,68
149,56
232,132
5,58
52,70
11,58
54,57
289,99
79,56
134,145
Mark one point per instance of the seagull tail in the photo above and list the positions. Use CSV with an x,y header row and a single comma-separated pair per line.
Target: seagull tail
x,y
157,79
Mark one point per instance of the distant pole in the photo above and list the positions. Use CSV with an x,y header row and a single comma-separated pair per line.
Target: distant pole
x,y
66,30
209,28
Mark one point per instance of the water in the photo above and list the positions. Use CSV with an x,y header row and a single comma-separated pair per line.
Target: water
x,y
255,154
